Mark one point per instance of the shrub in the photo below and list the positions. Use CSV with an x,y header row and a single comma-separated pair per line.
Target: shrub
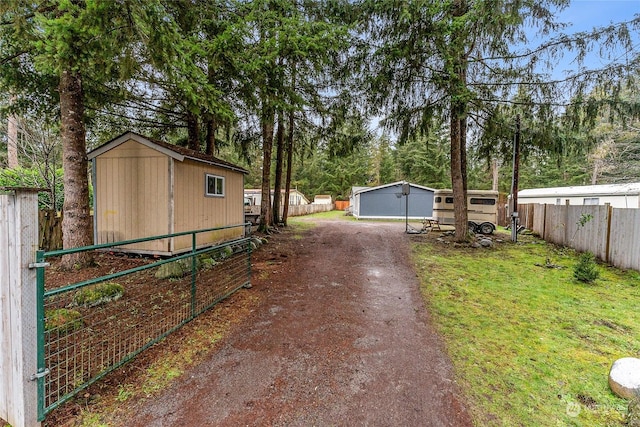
x,y
92,296
62,320
586,270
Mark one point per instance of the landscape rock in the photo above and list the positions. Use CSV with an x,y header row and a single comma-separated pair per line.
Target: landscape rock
x,y
624,377
487,243
170,270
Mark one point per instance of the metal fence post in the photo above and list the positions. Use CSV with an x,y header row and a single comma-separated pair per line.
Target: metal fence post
x,y
18,331
194,271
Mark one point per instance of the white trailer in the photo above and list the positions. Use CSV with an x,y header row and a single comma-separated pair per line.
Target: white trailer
x,y
482,209
616,195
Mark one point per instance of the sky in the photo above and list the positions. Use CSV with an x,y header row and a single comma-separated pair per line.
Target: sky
x,y
584,15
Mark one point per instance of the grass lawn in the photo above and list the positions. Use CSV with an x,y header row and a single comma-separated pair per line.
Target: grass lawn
x,y
530,345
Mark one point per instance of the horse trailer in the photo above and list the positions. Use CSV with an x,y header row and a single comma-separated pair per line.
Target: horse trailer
x,y
482,209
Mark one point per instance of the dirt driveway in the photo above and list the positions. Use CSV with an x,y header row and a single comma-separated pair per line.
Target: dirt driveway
x,y
342,338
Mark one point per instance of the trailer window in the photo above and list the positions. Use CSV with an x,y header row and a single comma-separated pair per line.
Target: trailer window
x,y
477,201
214,185
448,200
438,199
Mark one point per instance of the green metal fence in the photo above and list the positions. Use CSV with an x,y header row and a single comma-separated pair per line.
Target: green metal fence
x,y
88,328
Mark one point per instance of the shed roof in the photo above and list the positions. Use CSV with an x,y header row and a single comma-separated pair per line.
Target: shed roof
x,y
174,151
360,190
584,190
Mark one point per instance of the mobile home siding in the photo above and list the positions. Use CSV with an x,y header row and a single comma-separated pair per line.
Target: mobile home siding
x,y
131,195
616,195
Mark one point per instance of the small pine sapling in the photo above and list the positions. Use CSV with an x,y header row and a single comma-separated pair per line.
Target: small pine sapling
x,y
586,270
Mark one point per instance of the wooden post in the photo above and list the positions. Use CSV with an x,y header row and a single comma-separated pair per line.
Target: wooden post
x,y
544,224
566,223
514,182
18,335
608,241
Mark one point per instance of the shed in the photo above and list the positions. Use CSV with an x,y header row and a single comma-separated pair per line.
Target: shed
x,y
388,202
617,195
144,187
323,199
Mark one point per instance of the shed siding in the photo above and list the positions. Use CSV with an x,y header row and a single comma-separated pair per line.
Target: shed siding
x,y
193,210
384,202
131,195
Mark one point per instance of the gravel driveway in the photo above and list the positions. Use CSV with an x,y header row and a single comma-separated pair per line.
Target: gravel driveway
x,y
342,339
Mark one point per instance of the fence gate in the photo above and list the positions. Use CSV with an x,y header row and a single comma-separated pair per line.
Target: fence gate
x,y
91,327
77,328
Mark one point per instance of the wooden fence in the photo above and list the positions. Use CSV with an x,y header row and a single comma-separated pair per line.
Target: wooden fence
x,y
50,224
50,230
299,210
611,234
342,205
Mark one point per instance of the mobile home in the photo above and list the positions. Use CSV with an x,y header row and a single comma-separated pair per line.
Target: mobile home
x,y
617,195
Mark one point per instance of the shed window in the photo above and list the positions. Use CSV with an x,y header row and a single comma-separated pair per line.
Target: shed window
x,y
591,201
477,201
448,199
214,185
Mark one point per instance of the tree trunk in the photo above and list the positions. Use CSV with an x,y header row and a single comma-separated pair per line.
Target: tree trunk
x,y
12,142
458,93
267,146
76,223
277,185
287,185
495,174
193,130
458,173
596,171
211,136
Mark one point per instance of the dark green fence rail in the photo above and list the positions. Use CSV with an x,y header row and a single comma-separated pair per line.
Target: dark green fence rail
x,y
89,328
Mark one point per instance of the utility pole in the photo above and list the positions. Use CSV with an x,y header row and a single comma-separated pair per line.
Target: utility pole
x,y
514,182
406,190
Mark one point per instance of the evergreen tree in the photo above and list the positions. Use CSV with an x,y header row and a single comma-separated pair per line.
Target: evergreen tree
x,y
63,52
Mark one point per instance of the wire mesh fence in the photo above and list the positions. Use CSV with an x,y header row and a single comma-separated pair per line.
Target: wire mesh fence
x,y
96,324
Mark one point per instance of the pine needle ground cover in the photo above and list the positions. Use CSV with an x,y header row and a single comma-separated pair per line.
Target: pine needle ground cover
x,y
530,344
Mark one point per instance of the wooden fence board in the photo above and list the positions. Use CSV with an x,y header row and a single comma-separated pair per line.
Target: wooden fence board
x,y
6,384
50,236
592,235
612,234
625,238
19,237
555,225
539,219
526,217
299,210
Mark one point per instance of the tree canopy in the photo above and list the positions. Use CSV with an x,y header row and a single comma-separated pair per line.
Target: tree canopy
x,y
294,84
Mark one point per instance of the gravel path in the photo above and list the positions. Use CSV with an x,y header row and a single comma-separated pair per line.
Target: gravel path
x,y
342,339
